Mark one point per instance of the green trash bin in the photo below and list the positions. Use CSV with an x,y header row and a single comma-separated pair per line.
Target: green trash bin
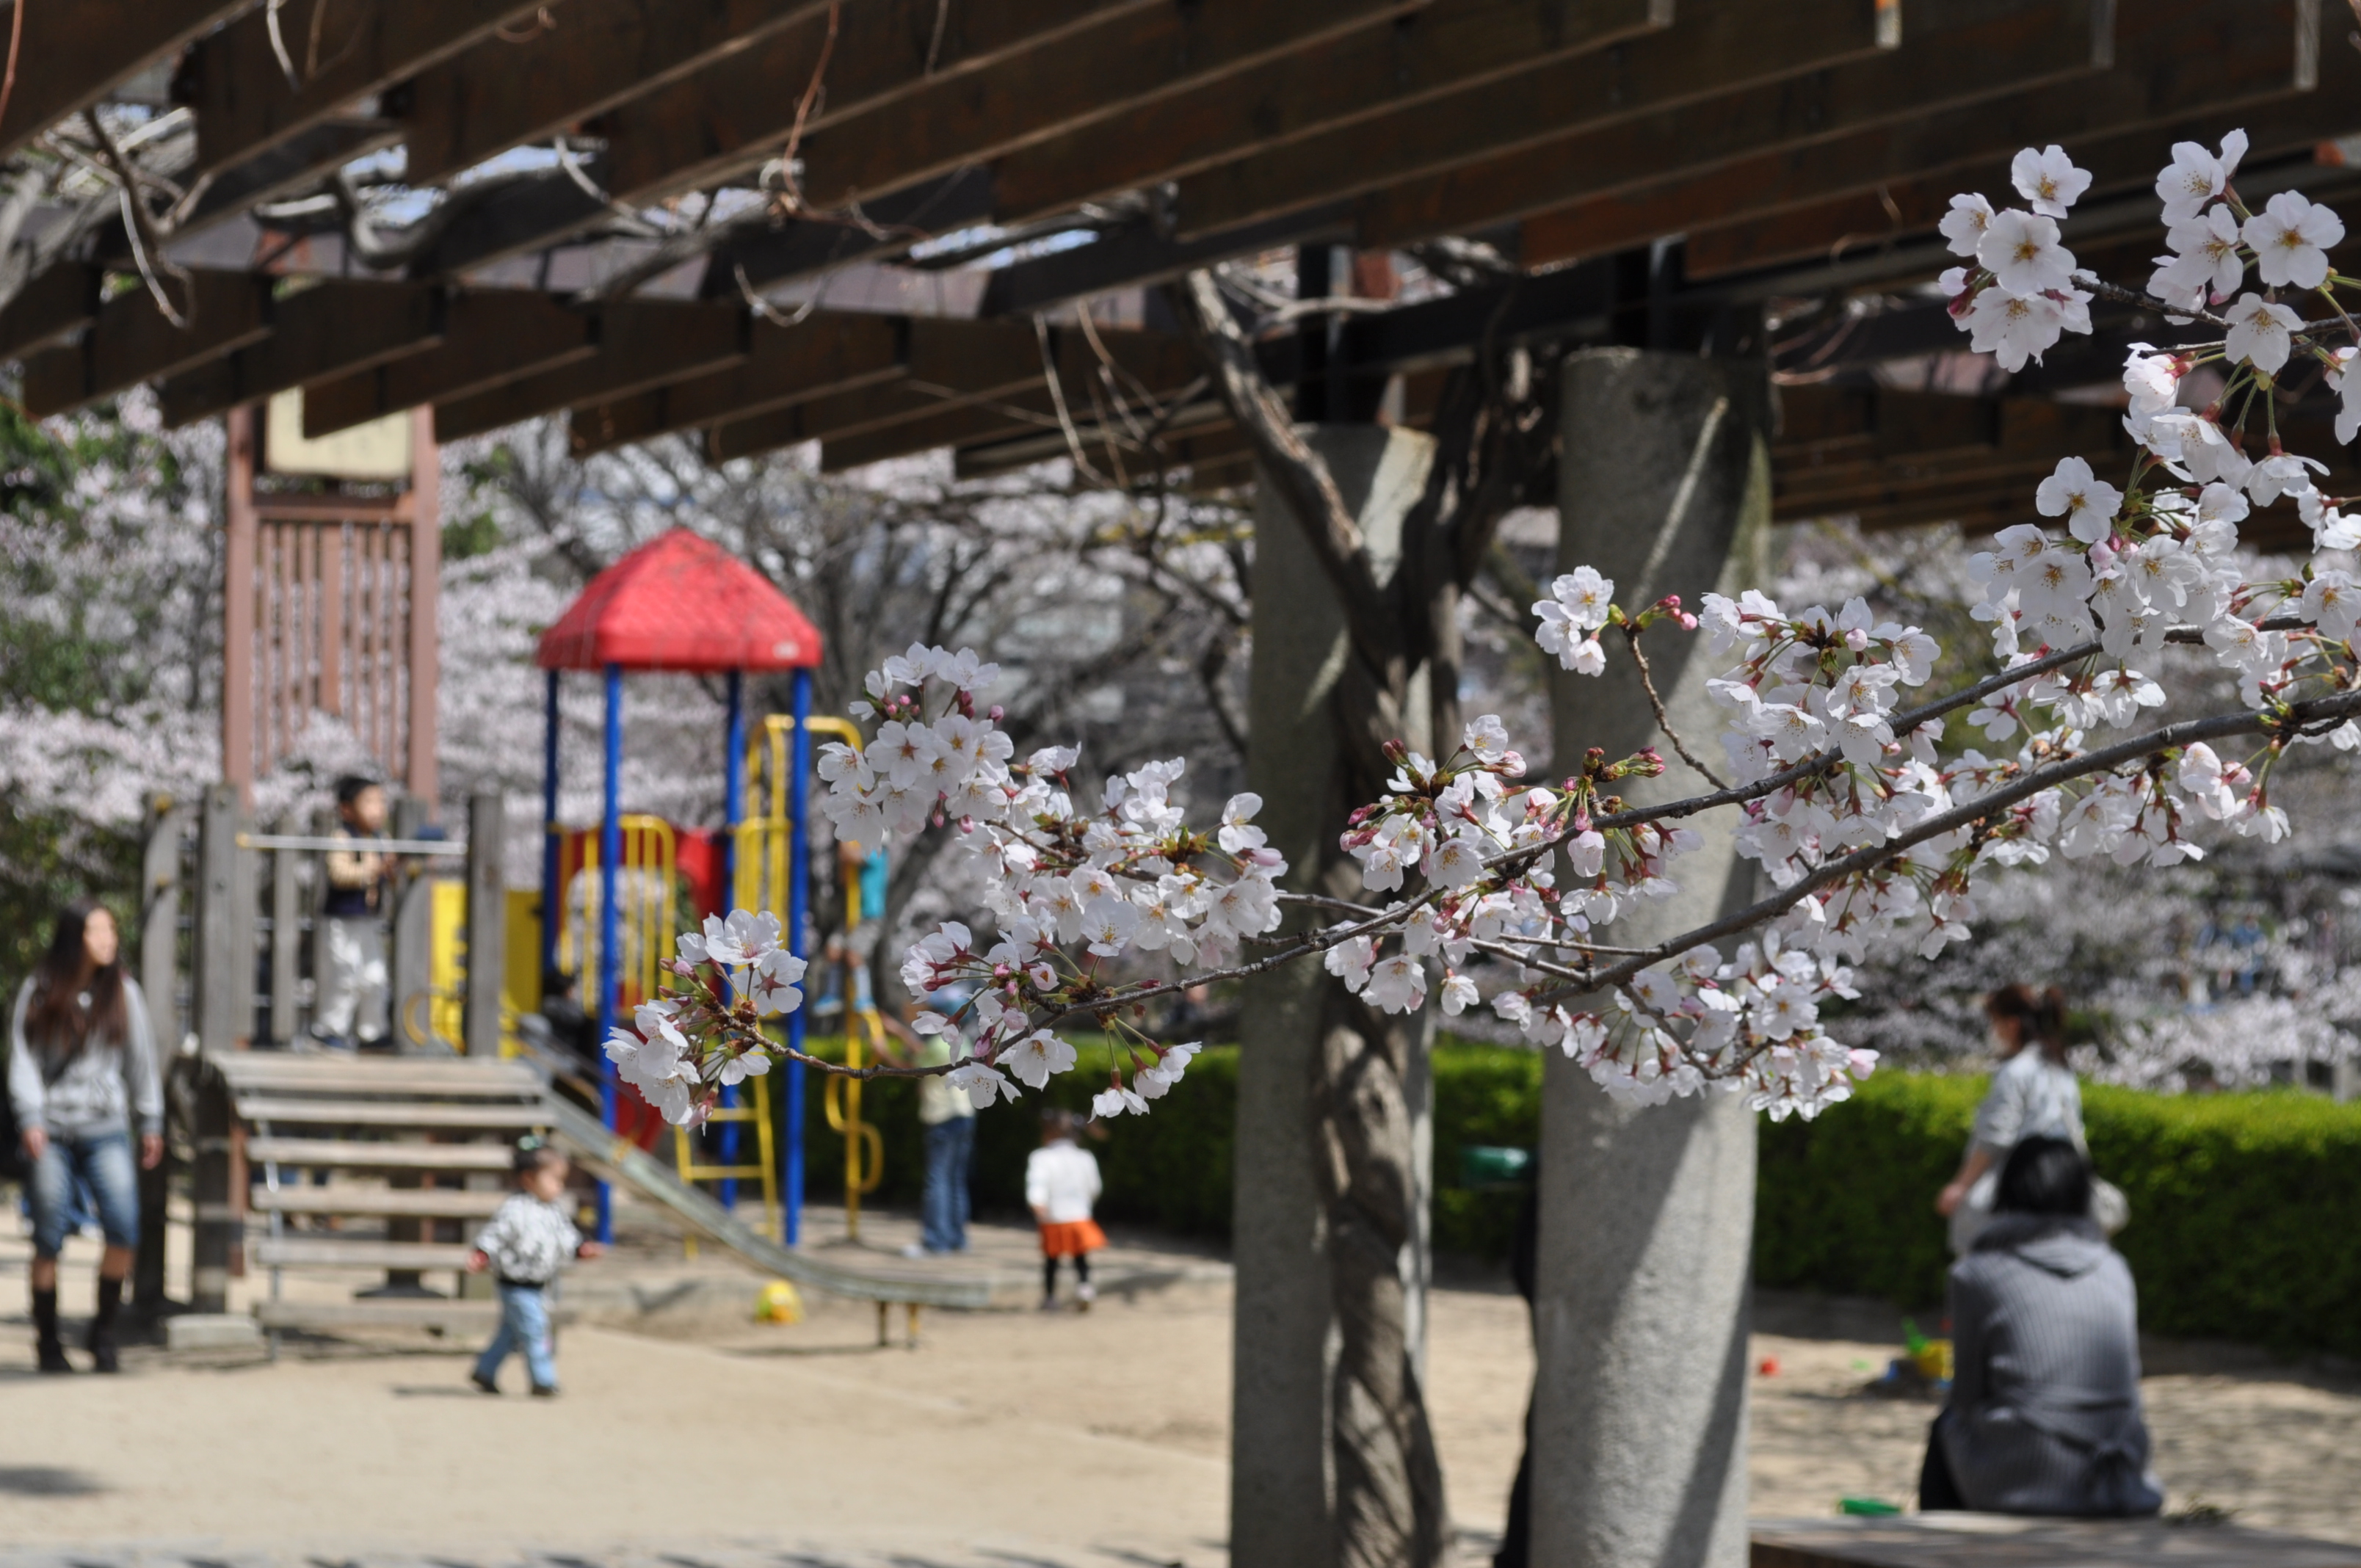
x,y
1488,1167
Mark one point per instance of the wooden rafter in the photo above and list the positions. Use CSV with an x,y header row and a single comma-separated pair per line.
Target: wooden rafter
x,y
336,326
641,344
70,55
491,337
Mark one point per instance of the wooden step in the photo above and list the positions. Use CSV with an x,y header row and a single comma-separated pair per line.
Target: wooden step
x,y
250,1072
307,1251
479,1317
342,1153
392,1114
395,1202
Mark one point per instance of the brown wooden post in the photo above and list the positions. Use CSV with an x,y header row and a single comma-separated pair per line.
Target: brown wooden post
x,y
426,580
238,605
219,1216
487,926
159,947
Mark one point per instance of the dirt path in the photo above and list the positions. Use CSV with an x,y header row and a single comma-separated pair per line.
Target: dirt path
x,y
1052,1438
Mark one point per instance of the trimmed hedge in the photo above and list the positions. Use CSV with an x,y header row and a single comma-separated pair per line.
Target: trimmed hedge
x,y
2244,1206
1171,1169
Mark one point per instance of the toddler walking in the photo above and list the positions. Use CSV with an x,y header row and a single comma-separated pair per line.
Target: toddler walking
x,y
1061,1181
529,1239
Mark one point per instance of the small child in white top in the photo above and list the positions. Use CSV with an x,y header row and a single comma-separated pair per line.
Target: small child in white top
x,y
530,1238
1062,1183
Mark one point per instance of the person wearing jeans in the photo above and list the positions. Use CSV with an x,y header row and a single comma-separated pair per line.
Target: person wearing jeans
x,y
82,1068
947,1121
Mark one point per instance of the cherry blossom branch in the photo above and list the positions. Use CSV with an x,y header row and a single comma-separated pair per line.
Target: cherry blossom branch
x,y
2345,705
1664,721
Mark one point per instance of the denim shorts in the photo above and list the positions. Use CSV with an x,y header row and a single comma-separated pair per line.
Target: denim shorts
x,y
103,1162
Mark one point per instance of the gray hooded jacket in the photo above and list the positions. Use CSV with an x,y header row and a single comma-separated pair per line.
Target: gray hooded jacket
x,y
2043,1415
101,1089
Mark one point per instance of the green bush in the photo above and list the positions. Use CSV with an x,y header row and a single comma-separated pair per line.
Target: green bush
x,y
2241,1204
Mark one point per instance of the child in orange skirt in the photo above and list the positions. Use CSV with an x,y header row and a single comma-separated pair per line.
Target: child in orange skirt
x,y
1061,1181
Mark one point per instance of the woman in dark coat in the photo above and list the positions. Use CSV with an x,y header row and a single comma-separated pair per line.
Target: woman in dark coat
x,y
2043,1415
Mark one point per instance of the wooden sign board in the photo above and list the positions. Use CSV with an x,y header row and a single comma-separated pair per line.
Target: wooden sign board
x,y
377,450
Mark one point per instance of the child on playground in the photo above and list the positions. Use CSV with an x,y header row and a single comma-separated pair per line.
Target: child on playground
x,y
353,980
1062,1183
530,1238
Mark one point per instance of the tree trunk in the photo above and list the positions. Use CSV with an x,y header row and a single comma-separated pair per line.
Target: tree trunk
x,y
1333,1461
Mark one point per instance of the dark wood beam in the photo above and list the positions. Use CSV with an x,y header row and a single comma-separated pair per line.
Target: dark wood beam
x,y
1452,47
826,351
490,336
286,167
1950,53
132,341
336,326
726,120
70,55
1010,374
498,94
1078,81
2175,57
1143,252
799,248
50,307
342,50
1200,434
2289,125
1707,51
641,344
1016,413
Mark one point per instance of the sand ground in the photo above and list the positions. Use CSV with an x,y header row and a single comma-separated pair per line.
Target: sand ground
x,y
1042,1439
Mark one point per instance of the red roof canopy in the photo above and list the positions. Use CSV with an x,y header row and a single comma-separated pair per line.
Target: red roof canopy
x,y
680,602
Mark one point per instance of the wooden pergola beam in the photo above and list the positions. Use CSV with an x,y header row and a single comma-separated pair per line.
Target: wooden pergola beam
x,y
2287,123
498,94
293,163
1016,413
342,50
51,307
1708,51
132,341
70,55
1949,54
1006,377
1452,47
1143,252
490,336
2174,58
334,327
826,352
641,344
726,120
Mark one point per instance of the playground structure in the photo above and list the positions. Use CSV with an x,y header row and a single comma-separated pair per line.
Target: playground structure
x,y
679,605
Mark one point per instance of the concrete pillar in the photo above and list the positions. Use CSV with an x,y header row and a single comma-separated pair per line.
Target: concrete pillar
x,y
1282,1478
1647,1214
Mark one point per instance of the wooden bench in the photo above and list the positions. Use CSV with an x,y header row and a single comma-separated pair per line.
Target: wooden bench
x,y
1995,1540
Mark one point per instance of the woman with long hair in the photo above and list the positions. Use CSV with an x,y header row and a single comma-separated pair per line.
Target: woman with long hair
x,y
2033,1094
82,1065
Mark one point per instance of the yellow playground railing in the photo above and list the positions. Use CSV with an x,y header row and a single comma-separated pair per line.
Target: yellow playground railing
x,y
765,842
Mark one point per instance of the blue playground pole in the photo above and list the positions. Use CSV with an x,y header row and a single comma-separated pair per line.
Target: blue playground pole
x,y
610,849
799,912
733,810
552,840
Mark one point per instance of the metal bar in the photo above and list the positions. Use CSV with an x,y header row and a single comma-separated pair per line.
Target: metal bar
x,y
733,811
382,847
553,839
610,852
237,607
487,926
791,1202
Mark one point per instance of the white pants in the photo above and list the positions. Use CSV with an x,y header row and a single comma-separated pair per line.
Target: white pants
x,y
353,986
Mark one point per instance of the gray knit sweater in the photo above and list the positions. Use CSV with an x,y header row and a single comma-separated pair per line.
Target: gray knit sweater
x,y
2043,1415
100,1089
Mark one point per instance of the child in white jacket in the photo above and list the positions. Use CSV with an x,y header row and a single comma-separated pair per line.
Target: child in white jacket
x,y
1061,1181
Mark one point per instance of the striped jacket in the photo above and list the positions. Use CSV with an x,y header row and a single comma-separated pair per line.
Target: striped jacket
x,y
2043,1415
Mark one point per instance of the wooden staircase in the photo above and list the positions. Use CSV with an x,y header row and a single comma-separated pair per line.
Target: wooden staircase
x,y
415,1153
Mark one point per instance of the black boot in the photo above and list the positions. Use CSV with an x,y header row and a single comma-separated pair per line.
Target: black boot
x,y
45,1332
101,1343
